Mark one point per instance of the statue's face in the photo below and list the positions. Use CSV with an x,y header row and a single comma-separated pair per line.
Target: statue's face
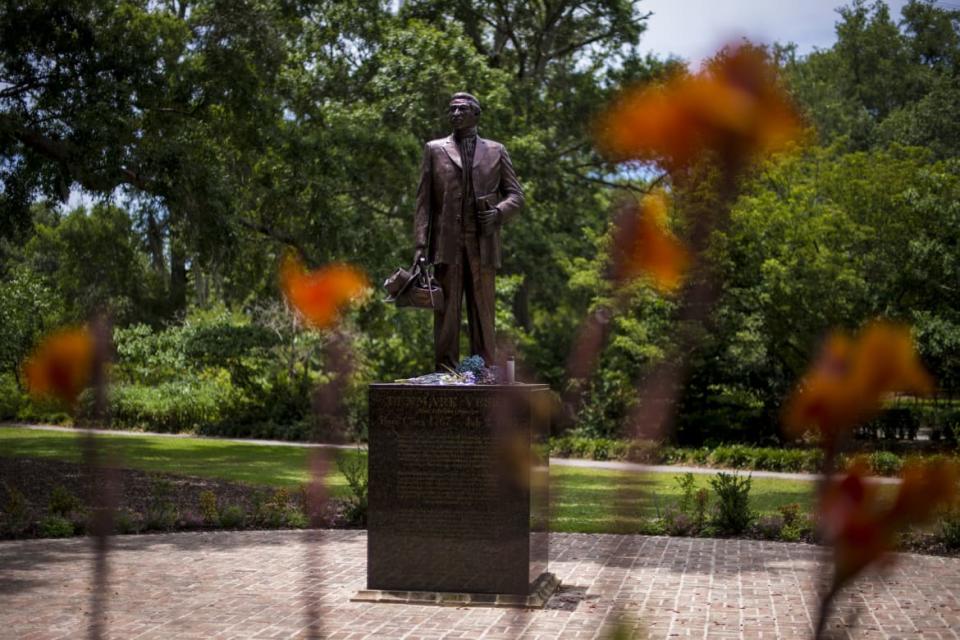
x,y
462,115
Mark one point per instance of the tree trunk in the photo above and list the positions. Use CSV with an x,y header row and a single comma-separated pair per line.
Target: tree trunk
x,y
178,275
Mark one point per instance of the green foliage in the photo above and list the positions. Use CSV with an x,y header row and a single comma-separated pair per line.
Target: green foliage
x,y
701,503
16,511
63,502
279,511
208,508
94,262
354,468
29,307
127,521
161,517
185,405
686,484
688,515
731,456
161,511
795,524
54,526
950,528
233,517
885,463
732,512
880,81
12,398
600,449
791,514
770,526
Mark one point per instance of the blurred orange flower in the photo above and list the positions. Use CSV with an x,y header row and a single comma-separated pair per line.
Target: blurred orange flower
x,y
861,530
644,246
924,488
852,378
319,295
735,108
850,521
62,365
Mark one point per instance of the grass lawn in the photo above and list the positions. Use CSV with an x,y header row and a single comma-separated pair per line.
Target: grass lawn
x,y
584,500
276,466
603,501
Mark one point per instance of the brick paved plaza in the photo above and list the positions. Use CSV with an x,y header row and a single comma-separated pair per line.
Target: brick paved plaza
x,y
255,585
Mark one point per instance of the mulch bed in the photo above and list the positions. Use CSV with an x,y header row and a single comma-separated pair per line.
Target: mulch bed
x,y
138,494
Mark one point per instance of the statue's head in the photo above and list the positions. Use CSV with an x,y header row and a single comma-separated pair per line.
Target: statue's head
x,y
464,111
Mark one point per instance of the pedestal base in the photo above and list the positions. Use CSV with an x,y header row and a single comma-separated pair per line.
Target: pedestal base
x,y
458,489
545,586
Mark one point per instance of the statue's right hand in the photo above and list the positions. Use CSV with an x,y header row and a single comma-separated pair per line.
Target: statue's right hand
x,y
418,256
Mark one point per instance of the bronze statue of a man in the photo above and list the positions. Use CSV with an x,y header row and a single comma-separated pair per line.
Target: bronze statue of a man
x,y
468,190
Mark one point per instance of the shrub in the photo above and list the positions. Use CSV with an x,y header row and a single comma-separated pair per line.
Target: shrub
x,y
276,512
790,514
16,511
686,484
191,404
950,528
736,456
678,523
191,520
42,410
127,521
162,514
644,451
701,502
354,468
681,520
950,426
600,449
63,502
766,458
12,399
296,519
689,515
770,526
161,518
233,517
732,513
885,463
208,508
55,527
652,527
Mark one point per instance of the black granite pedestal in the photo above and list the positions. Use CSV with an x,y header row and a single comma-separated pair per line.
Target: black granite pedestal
x,y
458,495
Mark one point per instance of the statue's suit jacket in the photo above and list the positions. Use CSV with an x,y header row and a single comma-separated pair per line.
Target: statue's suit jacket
x,y
440,195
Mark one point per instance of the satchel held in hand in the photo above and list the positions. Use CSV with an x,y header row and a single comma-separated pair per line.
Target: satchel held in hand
x,y
414,288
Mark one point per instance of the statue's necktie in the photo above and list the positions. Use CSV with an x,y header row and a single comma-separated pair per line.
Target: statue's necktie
x,y
466,152
467,145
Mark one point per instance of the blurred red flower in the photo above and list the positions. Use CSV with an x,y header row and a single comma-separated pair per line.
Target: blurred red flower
x,y
320,295
735,108
862,528
62,365
852,378
644,246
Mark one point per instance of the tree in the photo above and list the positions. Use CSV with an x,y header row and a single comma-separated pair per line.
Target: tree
x,y
28,309
95,260
164,101
880,71
823,240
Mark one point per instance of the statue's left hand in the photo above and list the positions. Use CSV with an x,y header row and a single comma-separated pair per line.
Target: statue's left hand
x,y
489,220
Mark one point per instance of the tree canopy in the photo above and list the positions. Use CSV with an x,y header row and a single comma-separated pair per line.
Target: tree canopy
x,y
206,137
